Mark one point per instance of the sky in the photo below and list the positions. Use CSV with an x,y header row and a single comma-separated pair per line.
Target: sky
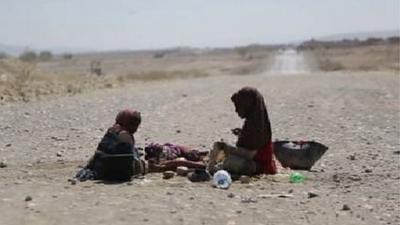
x,y
151,24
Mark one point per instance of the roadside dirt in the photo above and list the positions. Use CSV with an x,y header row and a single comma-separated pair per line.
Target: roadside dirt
x,y
356,181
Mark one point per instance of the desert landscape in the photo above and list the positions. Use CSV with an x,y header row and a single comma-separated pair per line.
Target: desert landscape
x,y
365,55
54,112
32,79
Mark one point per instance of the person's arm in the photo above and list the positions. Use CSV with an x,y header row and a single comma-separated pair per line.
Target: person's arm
x,y
236,131
173,164
125,137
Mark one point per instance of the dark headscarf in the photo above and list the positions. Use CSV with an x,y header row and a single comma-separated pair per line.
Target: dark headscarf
x,y
128,120
256,131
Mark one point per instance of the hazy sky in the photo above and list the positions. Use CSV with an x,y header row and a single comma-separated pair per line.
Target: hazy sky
x,y
132,24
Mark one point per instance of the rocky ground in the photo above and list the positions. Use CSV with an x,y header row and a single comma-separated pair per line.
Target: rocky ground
x,y
355,182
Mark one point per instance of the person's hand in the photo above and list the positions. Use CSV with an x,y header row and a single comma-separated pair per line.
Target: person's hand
x,y
236,131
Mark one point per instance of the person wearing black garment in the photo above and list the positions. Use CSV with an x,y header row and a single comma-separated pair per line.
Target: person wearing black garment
x,y
118,141
253,153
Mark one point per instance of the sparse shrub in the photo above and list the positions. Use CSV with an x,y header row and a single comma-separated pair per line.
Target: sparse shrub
x,y
45,55
159,55
329,65
394,40
242,51
67,56
163,75
372,41
28,56
95,67
3,55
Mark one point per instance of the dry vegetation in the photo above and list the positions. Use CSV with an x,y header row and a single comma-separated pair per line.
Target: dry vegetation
x,y
355,55
20,81
27,80
23,81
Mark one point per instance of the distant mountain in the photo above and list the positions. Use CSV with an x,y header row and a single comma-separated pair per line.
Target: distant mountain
x,y
360,35
75,50
17,50
11,49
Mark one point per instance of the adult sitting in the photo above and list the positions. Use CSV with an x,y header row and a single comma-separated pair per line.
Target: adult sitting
x,y
253,153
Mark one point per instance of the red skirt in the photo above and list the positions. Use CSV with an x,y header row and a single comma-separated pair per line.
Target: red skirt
x,y
265,158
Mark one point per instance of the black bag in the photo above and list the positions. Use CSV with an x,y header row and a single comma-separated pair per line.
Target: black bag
x,y
115,166
114,160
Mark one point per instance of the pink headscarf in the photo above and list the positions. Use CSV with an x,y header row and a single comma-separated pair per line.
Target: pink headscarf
x,y
128,120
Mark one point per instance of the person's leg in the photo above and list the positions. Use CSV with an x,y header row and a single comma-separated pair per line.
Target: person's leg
x,y
236,160
240,166
173,164
239,161
216,157
241,152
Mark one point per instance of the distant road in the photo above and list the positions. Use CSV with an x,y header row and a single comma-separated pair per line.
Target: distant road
x,y
290,62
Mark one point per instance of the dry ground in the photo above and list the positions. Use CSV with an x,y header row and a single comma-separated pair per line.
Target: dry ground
x,y
356,114
364,58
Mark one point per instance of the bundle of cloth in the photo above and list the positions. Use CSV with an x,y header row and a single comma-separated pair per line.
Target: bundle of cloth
x,y
163,157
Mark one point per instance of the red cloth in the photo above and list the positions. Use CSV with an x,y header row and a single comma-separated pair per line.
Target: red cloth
x,y
265,158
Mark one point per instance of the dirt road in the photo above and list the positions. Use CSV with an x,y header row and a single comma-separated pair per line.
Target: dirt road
x,y
356,181
291,62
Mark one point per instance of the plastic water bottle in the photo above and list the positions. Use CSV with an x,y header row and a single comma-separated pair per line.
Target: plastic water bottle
x,y
222,179
296,177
